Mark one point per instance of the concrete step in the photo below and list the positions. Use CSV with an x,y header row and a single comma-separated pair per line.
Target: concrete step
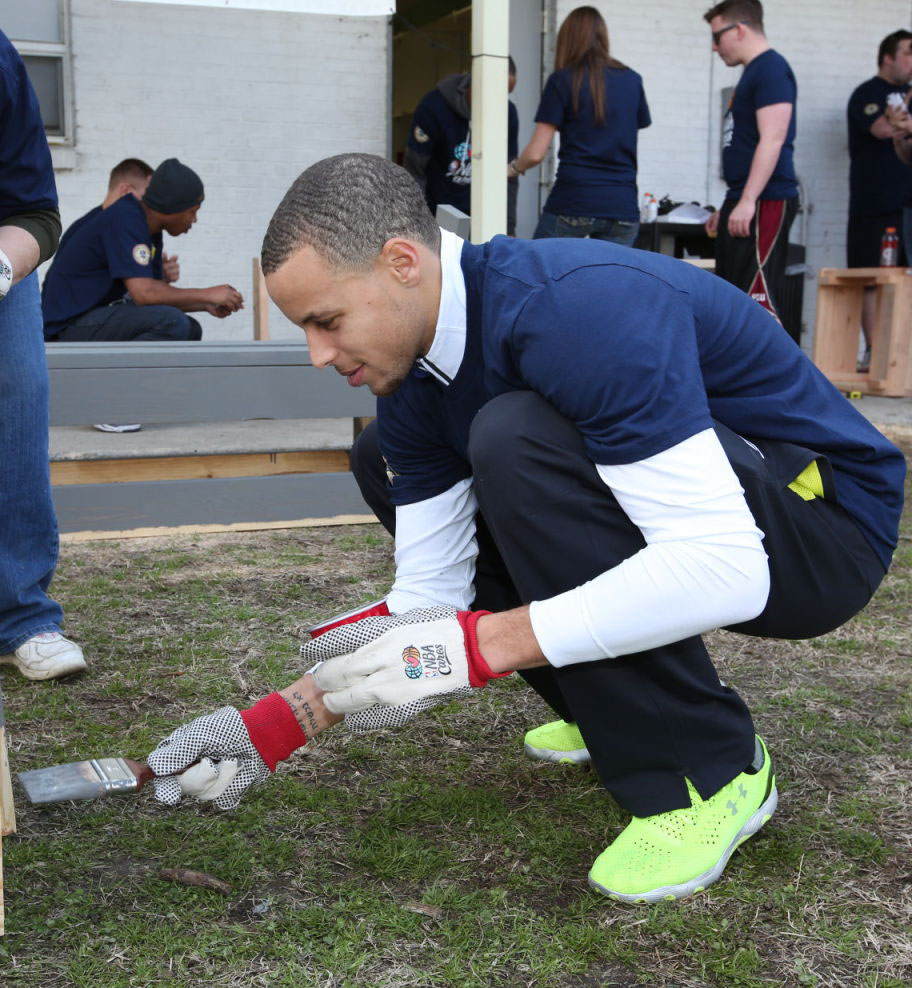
x,y
251,436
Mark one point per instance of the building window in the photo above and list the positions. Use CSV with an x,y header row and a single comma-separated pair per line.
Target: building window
x,y
40,31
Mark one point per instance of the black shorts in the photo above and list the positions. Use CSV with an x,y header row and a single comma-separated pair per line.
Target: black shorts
x,y
864,236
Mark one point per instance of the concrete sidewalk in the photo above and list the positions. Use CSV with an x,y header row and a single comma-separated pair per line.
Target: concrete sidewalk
x,y
289,435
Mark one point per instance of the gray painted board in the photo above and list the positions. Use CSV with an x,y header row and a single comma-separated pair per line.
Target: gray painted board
x,y
194,382
233,500
161,354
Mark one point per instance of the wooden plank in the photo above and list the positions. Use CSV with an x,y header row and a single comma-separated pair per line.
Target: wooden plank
x,y
132,469
7,811
837,328
252,526
203,353
220,501
871,276
7,808
260,303
82,396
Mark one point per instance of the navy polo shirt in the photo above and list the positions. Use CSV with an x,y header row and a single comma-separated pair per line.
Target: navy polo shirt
x,y
766,80
879,183
597,162
26,169
76,224
90,268
438,130
640,351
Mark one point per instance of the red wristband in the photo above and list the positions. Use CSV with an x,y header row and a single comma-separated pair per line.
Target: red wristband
x,y
273,728
479,670
377,609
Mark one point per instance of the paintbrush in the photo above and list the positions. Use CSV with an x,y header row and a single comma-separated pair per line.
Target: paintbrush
x,y
85,780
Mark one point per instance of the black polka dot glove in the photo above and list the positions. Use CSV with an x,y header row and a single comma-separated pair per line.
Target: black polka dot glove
x,y
234,749
382,671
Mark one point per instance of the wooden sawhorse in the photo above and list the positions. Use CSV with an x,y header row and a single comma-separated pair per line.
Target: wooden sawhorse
x,y
839,301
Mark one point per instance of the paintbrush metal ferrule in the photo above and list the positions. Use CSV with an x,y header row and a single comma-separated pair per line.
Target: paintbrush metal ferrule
x,y
79,780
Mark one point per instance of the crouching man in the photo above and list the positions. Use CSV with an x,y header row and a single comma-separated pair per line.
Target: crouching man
x,y
589,456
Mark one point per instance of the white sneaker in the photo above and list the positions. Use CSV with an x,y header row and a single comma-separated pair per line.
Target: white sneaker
x,y
46,656
110,427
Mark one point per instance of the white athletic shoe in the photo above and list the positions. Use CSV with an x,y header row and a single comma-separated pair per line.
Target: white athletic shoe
x,y
46,656
110,427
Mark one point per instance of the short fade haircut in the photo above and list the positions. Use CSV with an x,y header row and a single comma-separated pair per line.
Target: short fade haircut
x,y
890,45
748,12
129,168
346,208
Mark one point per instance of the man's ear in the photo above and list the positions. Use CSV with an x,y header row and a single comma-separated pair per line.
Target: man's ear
x,y
402,259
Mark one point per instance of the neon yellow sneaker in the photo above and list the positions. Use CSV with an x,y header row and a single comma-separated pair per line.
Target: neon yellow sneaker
x,y
675,854
556,742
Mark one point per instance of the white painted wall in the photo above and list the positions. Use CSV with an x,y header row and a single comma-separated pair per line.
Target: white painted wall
x,y
831,46
246,98
251,98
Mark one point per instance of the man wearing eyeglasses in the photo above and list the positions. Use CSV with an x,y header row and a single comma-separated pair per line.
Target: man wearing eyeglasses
x,y
757,156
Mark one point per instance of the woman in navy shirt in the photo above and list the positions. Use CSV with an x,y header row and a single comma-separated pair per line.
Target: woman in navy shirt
x,y
598,105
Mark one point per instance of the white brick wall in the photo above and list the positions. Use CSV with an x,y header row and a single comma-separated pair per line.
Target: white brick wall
x,y
249,99
831,46
246,99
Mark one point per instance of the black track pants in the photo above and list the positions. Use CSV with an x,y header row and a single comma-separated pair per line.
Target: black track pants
x,y
548,523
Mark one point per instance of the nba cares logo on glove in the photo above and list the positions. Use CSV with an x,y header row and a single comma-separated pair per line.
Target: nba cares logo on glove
x,y
429,661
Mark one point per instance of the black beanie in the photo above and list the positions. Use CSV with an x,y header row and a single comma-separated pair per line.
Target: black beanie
x,y
173,188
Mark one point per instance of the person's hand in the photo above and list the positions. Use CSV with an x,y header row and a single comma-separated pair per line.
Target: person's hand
x,y
219,311
235,749
410,661
224,297
739,219
898,117
170,268
711,226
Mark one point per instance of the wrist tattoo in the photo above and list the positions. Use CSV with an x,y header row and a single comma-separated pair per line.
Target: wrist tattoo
x,y
302,709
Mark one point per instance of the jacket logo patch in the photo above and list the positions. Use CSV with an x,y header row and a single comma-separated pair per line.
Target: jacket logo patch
x,y
142,254
420,136
871,109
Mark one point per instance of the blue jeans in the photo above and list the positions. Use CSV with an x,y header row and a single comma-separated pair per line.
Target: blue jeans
x,y
623,232
123,321
28,524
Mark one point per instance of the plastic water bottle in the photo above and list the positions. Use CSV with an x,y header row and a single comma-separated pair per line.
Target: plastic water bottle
x,y
889,248
650,208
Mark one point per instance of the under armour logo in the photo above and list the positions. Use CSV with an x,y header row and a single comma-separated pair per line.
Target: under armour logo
x,y
742,793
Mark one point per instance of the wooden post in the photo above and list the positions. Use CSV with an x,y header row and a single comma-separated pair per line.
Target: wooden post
x,y
490,42
7,811
260,303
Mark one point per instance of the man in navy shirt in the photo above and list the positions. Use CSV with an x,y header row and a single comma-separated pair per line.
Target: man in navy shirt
x,y
757,156
107,282
30,620
879,182
439,150
610,450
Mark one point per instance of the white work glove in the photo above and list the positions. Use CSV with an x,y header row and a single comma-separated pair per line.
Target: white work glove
x,y
235,749
383,671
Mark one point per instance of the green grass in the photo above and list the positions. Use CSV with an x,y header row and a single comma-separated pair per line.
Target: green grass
x,y
436,856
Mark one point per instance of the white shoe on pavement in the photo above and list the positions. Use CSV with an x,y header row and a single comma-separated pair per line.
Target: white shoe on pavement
x,y
111,427
46,656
